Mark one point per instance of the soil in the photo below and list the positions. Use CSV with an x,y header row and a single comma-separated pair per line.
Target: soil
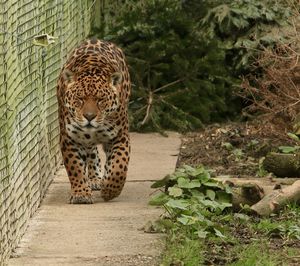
x,y
232,148
237,150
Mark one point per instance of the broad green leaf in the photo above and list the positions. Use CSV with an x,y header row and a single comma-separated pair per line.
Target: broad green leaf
x,y
175,191
288,149
293,231
218,233
213,184
223,196
224,205
185,183
188,168
228,189
201,234
159,199
241,216
161,183
238,153
197,171
197,193
178,204
194,184
200,217
227,145
183,220
180,170
253,142
176,175
293,136
186,219
204,177
210,194
210,204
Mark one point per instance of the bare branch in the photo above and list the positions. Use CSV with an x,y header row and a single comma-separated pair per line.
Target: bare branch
x,y
149,105
168,85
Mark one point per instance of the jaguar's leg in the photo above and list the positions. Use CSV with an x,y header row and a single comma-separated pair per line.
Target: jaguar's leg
x,y
94,168
74,157
117,159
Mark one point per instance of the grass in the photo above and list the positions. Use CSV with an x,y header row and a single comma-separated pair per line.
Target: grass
x,y
252,242
180,250
201,228
256,253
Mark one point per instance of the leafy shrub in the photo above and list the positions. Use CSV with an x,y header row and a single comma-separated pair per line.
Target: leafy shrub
x,y
180,78
192,198
186,56
245,27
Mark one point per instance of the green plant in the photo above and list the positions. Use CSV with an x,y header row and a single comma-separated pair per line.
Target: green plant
x,y
199,225
290,149
261,170
192,198
181,250
245,27
256,254
186,57
286,225
180,78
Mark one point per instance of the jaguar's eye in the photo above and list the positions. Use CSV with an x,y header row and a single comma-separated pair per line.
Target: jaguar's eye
x,y
100,102
78,102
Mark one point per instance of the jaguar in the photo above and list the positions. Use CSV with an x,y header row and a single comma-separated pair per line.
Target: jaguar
x,y
93,92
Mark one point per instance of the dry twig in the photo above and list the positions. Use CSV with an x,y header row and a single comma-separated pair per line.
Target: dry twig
x,y
277,91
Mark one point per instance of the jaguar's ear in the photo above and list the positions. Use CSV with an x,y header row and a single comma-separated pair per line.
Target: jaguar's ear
x,y
116,78
68,76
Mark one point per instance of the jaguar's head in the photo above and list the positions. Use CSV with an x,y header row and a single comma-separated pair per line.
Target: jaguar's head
x,y
89,99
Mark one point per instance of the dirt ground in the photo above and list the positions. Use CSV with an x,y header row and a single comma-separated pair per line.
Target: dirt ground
x,y
232,148
237,150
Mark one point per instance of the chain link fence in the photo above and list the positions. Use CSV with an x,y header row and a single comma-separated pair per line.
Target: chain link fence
x,y
29,130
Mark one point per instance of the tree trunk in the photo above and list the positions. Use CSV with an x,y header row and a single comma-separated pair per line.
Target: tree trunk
x,y
253,190
277,199
246,194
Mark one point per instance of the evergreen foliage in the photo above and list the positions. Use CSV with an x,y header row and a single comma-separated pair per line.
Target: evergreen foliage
x,y
185,57
245,27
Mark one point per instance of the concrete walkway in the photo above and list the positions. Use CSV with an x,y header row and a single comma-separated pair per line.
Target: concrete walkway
x,y
104,233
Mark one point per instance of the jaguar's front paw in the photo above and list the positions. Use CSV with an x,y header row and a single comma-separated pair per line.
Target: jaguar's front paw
x,y
95,184
109,194
81,198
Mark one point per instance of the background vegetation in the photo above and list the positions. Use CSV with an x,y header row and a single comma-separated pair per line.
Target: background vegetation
x,y
202,229
193,62
187,57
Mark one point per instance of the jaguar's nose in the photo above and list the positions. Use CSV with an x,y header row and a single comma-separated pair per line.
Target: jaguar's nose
x,y
89,116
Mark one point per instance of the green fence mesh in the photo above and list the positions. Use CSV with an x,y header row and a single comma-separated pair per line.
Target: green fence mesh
x,y
29,134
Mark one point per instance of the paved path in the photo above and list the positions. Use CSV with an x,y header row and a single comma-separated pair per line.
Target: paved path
x,y
105,233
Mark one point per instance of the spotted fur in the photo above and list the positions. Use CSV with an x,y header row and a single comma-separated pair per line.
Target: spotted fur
x,y
93,92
